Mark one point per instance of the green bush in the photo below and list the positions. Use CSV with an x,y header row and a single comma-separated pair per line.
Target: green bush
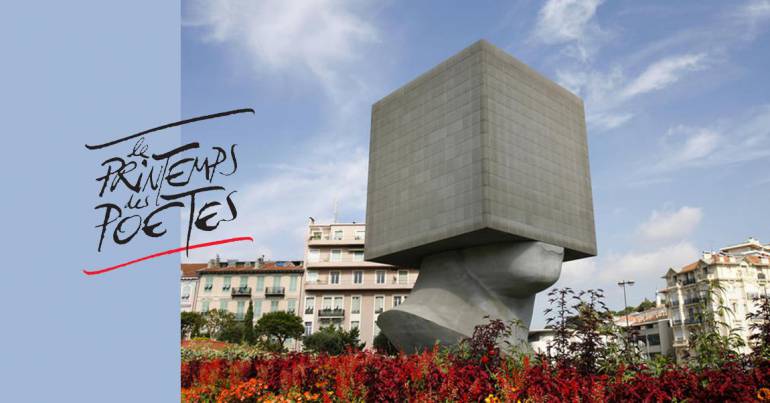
x,y
333,340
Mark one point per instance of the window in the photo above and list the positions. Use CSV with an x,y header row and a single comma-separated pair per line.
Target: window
x,y
209,283
291,305
336,255
309,304
334,277
327,303
403,276
314,255
276,281
379,304
186,292
293,283
396,300
226,285
354,324
355,304
380,277
312,276
244,281
222,304
653,339
239,312
261,283
360,235
257,308
205,306
358,277
316,236
274,305
337,303
338,235
308,328
358,256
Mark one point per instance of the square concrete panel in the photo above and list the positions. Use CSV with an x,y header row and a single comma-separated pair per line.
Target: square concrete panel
x,y
480,149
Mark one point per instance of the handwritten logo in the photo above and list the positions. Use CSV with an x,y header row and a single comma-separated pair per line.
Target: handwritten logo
x,y
159,185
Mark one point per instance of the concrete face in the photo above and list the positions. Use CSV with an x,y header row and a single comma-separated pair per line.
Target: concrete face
x,y
480,149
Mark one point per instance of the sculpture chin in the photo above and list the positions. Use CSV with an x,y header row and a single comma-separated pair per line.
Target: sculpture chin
x,y
457,289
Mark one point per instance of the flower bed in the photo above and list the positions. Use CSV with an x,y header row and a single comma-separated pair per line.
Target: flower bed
x,y
438,376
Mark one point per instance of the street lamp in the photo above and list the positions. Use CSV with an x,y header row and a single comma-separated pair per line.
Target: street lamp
x,y
623,284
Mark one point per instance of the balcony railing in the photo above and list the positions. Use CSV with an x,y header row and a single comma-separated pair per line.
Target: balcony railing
x,y
694,300
308,311
241,292
275,291
330,313
688,281
677,322
693,321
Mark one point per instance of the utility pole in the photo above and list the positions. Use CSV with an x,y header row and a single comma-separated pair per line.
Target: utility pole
x,y
623,284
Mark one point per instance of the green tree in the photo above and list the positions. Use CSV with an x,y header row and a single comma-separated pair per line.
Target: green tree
x,y
382,345
232,332
333,340
249,337
191,323
759,320
277,327
216,321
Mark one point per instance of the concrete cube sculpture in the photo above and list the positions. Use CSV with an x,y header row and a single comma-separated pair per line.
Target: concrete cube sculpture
x,y
479,176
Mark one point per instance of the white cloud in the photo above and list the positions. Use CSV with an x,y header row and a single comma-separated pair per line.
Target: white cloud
x,y
754,10
275,210
738,140
570,21
670,225
647,265
321,37
607,94
663,73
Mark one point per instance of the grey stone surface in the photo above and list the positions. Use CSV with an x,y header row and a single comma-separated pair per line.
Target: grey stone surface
x,y
478,150
457,289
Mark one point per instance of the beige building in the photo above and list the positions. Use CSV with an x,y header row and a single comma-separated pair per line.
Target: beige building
x,y
344,290
651,329
230,285
739,273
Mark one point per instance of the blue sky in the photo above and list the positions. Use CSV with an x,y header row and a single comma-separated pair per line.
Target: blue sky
x,y
677,103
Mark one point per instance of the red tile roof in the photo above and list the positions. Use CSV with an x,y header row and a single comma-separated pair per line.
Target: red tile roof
x,y
191,269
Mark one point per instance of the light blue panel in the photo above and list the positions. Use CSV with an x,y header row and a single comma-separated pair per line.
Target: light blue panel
x,y
72,73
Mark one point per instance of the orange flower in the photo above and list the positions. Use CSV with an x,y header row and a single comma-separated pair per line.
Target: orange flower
x,y
763,394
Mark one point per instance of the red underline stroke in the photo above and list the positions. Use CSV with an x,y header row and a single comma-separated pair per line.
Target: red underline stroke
x,y
168,252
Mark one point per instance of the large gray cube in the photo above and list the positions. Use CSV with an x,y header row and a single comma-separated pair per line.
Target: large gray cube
x,y
478,150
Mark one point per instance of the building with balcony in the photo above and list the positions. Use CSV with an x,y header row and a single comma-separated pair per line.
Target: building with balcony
x,y
344,290
734,274
230,285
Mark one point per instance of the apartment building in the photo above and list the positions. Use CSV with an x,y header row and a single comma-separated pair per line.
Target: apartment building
x,y
189,285
230,285
344,290
651,329
735,274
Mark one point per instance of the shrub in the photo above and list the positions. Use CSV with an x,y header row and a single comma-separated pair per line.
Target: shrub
x,y
332,340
